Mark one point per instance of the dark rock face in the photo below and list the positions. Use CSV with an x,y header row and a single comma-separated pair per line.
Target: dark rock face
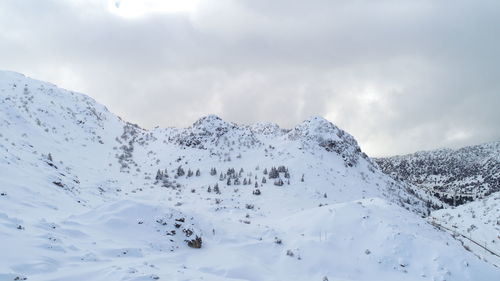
x,y
195,243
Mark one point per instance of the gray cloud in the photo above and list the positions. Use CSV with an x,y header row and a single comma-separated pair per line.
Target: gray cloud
x,y
398,75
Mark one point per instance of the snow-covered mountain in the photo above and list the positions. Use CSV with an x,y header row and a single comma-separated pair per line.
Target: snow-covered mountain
x,y
456,176
85,195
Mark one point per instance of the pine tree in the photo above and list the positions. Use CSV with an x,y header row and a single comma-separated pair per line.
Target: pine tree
x,y
282,169
190,173
278,182
273,174
159,175
244,181
256,184
209,189
213,172
264,180
180,171
50,157
216,188
302,179
265,171
198,173
228,181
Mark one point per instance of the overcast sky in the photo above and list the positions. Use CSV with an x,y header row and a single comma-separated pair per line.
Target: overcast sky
x,y
400,76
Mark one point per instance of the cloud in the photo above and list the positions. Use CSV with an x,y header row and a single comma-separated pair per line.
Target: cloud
x,y
400,76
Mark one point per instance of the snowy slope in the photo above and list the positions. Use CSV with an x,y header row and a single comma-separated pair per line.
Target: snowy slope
x,y
475,223
85,195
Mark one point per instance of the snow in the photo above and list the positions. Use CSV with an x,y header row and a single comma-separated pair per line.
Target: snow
x,y
479,221
96,211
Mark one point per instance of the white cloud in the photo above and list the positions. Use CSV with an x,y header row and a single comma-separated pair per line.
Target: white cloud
x,y
399,75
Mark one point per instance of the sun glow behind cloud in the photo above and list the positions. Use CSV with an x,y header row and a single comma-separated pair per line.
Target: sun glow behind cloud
x,y
140,8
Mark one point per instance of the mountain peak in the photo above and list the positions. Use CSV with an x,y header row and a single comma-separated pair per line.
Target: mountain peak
x,y
210,122
317,118
209,117
317,122
318,127
318,130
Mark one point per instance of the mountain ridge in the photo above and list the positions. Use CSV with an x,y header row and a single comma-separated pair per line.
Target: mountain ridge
x,y
85,194
472,172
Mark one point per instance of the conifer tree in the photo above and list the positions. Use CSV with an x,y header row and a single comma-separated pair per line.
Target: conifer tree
x,y
282,169
159,175
180,171
213,172
273,174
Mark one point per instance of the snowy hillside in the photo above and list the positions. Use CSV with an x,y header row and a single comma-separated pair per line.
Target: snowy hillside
x,y
476,224
455,176
85,195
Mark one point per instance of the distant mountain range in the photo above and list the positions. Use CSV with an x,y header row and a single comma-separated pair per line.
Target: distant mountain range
x,y
455,176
